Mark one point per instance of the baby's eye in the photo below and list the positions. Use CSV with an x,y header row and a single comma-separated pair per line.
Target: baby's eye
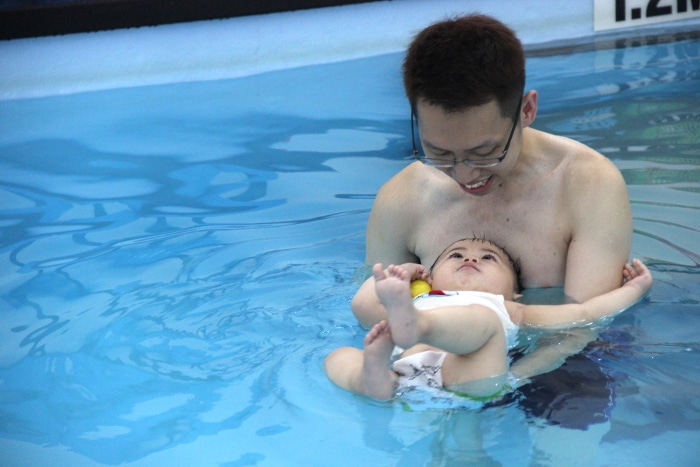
x,y
489,257
456,255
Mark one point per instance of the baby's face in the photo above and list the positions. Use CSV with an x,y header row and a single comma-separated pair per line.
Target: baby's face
x,y
476,265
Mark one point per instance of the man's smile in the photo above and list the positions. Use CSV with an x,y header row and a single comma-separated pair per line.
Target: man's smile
x,y
478,187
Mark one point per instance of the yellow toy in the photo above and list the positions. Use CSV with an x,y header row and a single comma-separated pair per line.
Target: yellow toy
x,y
419,286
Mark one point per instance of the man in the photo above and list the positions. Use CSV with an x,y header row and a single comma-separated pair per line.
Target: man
x,y
560,207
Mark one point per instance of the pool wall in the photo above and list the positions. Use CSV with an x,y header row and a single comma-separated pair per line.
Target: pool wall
x,y
242,46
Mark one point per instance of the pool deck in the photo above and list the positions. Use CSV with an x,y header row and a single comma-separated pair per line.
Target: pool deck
x,y
242,46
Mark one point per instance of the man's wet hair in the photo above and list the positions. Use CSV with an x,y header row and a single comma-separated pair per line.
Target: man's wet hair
x,y
465,62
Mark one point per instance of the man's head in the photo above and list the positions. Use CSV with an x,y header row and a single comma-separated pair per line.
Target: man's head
x,y
465,62
478,265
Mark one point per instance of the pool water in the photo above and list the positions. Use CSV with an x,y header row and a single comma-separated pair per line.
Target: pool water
x,y
177,260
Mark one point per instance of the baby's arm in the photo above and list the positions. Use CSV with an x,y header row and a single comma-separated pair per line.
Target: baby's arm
x,y
366,305
638,281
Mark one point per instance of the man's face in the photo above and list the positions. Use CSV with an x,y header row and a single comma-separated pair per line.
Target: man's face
x,y
462,143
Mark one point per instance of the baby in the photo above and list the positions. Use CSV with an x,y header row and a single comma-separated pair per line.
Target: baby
x,y
459,334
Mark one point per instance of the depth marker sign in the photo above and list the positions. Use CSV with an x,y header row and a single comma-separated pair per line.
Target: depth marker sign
x,y
612,14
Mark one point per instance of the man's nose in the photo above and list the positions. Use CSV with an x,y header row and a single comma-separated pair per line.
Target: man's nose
x,y
462,173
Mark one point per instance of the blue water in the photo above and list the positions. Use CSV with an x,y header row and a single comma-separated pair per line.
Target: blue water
x,y
176,261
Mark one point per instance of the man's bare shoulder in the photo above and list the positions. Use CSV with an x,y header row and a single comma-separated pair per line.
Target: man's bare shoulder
x,y
412,173
389,237
404,207
416,185
584,166
585,156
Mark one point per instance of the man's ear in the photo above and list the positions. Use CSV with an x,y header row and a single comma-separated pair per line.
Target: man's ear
x,y
529,109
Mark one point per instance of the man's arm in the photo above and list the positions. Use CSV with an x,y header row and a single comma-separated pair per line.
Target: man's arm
x,y
547,357
571,314
389,228
366,306
388,241
601,229
551,353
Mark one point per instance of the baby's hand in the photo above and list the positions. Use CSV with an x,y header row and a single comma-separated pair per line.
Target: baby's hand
x,y
628,273
637,275
417,271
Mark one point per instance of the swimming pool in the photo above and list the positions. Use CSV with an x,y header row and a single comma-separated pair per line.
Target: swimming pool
x,y
177,260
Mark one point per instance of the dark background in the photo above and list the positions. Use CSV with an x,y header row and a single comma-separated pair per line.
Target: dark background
x,y
32,18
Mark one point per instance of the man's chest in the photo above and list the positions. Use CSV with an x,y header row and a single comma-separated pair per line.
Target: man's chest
x,y
536,234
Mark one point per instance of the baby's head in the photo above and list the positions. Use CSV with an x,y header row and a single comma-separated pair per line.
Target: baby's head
x,y
477,264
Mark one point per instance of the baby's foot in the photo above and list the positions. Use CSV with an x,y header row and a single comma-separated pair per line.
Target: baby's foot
x,y
394,291
378,342
378,380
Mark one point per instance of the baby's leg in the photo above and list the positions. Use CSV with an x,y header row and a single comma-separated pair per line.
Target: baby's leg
x,y
479,373
365,372
393,288
378,379
459,329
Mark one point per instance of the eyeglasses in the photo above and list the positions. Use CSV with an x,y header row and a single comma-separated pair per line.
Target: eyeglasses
x,y
442,163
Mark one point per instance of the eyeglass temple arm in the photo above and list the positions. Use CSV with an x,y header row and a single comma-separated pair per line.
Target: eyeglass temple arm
x,y
413,136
